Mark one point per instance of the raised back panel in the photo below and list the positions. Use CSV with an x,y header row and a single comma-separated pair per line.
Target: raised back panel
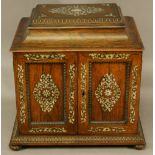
x,y
76,15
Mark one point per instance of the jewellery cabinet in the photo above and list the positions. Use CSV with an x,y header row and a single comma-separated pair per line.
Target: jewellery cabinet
x,y
77,70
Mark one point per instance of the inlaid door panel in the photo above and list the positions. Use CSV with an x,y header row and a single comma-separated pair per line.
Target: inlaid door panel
x,y
109,86
46,85
49,93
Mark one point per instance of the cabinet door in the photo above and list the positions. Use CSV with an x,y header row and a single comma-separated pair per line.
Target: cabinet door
x,y
46,92
109,93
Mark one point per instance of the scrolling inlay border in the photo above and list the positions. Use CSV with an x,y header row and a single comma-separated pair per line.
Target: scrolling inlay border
x,y
106,129
48,130
83,95
109,56
44,56
134,87
71,115
20,75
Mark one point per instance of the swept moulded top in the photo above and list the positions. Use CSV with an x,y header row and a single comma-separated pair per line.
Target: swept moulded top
x,y
76,27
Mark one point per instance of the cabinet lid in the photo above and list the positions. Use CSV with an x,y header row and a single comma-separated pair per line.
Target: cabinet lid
x,y
52,16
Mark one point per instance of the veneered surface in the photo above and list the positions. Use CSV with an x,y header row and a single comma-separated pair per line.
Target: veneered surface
x,y
126,39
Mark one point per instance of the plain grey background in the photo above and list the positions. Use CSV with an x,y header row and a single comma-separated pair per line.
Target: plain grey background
x,y
13,11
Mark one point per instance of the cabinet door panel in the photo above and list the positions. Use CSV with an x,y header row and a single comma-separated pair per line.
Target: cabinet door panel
x,y
48,102
105,100
109,93
39,92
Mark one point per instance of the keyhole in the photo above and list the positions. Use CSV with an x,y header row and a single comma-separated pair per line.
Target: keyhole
x,y
83,93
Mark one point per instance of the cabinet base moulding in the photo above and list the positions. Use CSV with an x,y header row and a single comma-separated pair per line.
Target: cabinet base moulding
x,y
17,140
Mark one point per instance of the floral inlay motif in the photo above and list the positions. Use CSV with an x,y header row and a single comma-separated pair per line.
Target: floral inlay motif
x,y
76,10
46,93
108,92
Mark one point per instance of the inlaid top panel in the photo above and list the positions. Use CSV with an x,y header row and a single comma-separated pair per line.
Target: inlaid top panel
x,y
76,15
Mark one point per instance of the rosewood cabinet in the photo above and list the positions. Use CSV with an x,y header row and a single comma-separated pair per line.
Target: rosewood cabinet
x,y
77,75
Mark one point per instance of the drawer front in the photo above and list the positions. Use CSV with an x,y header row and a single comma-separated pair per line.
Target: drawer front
x,y
109,93
46,93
